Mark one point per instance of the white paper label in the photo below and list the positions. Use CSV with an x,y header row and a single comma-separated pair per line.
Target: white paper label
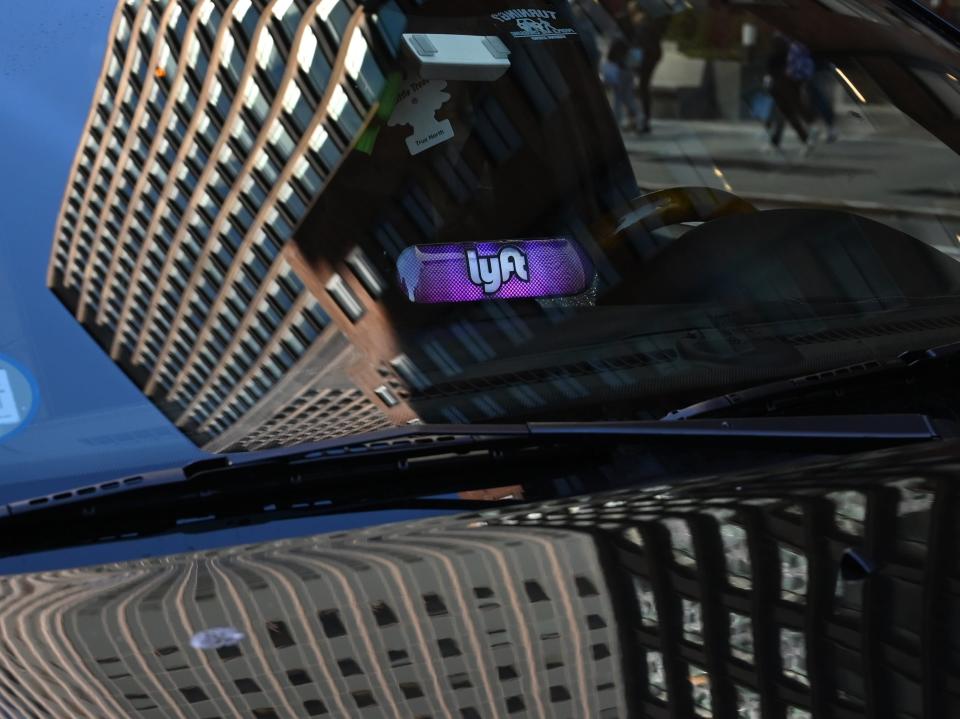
x,y
417,106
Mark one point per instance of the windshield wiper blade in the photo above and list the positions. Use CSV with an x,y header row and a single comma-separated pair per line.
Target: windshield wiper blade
x,y
403,449
412,467
814,382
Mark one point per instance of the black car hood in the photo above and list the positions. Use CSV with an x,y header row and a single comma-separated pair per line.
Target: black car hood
x,y
823,590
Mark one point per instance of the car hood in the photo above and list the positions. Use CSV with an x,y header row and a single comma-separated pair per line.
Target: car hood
x,y
823,590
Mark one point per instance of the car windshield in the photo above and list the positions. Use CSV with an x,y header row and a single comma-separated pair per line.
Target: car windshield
x,y
232,225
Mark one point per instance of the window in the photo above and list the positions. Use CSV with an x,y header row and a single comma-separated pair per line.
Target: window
x,y
460,680
387,396
736,549
227,653
656,676
600,651
559,693
585,587
383,614
692,621
793,653
682,541
298,677
280,139
700,688
349,667
332,625
748,703
448,648
482,592
793,575
595,621
515,704
194,694
434,605
280,634
646,601
365,272
396,655
314,707
535,592
741,637
506,672
363,699
247,686
411,690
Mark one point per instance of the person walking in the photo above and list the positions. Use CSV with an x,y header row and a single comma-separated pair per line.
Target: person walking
x,y
648,32
789,66
820,100
618,77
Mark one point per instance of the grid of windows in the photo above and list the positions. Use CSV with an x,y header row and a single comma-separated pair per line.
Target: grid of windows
x,y
315,414
325,629
734,577
205,146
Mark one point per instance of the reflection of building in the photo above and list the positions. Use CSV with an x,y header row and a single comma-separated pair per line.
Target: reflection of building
x,y
215,129
445,622
737,600
534,154
730,596
215,124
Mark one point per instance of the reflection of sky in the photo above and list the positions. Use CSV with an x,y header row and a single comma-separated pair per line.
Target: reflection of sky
x,y
50,56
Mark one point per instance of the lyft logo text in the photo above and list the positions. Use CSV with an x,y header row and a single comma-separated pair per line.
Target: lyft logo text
x,y
491,273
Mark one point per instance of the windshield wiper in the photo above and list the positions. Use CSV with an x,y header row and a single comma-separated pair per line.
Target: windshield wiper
x,y
771,393
407,467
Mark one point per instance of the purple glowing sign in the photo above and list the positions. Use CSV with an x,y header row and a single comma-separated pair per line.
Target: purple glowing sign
x,y
468,271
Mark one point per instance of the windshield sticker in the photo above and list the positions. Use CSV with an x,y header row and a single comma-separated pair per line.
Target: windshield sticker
x,y
517,269
417,106
18,397
9,412
532,24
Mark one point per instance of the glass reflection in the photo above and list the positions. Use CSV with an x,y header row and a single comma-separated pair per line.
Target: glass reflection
x,y
793,575
656,676
850,509
793,654
741,637
682,541
702,699
692,621
737,552
914,497
646,600
748,703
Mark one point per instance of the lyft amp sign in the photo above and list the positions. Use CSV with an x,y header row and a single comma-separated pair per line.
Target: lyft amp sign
x,y
516,269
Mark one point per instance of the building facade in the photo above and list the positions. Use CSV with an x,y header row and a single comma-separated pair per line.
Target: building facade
x,y
215,124
731,596
218,128
442,622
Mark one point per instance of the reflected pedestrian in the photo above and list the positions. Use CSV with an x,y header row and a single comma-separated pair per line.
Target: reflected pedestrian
x,y
820,99
618,77
787,71
648,32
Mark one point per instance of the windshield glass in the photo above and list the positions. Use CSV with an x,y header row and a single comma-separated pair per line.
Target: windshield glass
x,y
232,225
